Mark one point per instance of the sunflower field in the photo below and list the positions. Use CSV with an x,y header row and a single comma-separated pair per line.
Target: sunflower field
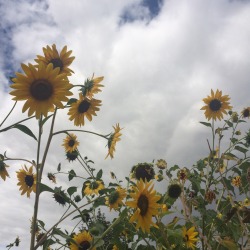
x,y
205,206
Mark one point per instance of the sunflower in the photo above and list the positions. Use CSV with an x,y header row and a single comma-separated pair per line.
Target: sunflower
x,y
83,107
41,87
70,143
115,198
174,190
3,171
144,171
92,86
189,237
93,187
246,112
145,203
72,156
216,105
236,181
27,180
113,139
161,164
61,61
82,241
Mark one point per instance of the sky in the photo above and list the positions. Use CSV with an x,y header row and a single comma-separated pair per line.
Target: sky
x,y
159,59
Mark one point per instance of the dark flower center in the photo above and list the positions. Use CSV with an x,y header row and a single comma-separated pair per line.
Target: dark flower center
x,y
71,143
29,180
94,185
84,245
114,196
57,62
246,113
186,237
83,106
72,156
174,191
41,89
142,203
215,105
144,171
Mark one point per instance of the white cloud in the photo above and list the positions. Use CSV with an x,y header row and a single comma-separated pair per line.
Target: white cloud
x,y
155,77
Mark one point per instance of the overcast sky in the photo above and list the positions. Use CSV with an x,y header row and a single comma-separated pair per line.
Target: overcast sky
x,y
159,59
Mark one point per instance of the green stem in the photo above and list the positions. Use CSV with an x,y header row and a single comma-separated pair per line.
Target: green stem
x,y
79,130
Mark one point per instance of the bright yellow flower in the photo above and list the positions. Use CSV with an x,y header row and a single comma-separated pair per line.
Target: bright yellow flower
x,y
83,240
84,107
92,86
27,180
62,60
115,198
190,237
236,181
93,187
113,139
216,105
70,143
42,89
145,202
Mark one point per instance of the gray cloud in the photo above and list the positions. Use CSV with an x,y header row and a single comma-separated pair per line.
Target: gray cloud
x,y
155,78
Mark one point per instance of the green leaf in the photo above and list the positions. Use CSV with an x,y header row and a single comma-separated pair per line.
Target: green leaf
x,y
48,243
230,124
71,100
45,188
59,167
42,224
72,174
207,124
25,129
71,190
99,202
100,241
99,175
242,150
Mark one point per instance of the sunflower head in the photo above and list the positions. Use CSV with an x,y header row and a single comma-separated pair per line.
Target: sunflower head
x,y
189,237
144,171
161,164
115,198
82,241
246,112
3,171
174,190
92,86
51,177
113,139
235,117
26,180
42,89
182,174
61,61
210,196
145,204
83,107
216,105
236,181
72,156
60,196
70,143
92,188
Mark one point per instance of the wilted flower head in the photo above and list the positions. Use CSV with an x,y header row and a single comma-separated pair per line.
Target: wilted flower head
x,y
236,181
52,177
144,171
162,164
210,196
174,190
3,171
246,112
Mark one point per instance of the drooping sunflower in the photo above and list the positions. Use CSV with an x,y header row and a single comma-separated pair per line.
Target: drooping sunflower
x,y
72,156
144,171
27,180
161,164
61,61
92,86
70,143
145,202
216,105
246,112
115,198
113,139
83,107
190,237
174,190
82,241
92,188
42,89
3,171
